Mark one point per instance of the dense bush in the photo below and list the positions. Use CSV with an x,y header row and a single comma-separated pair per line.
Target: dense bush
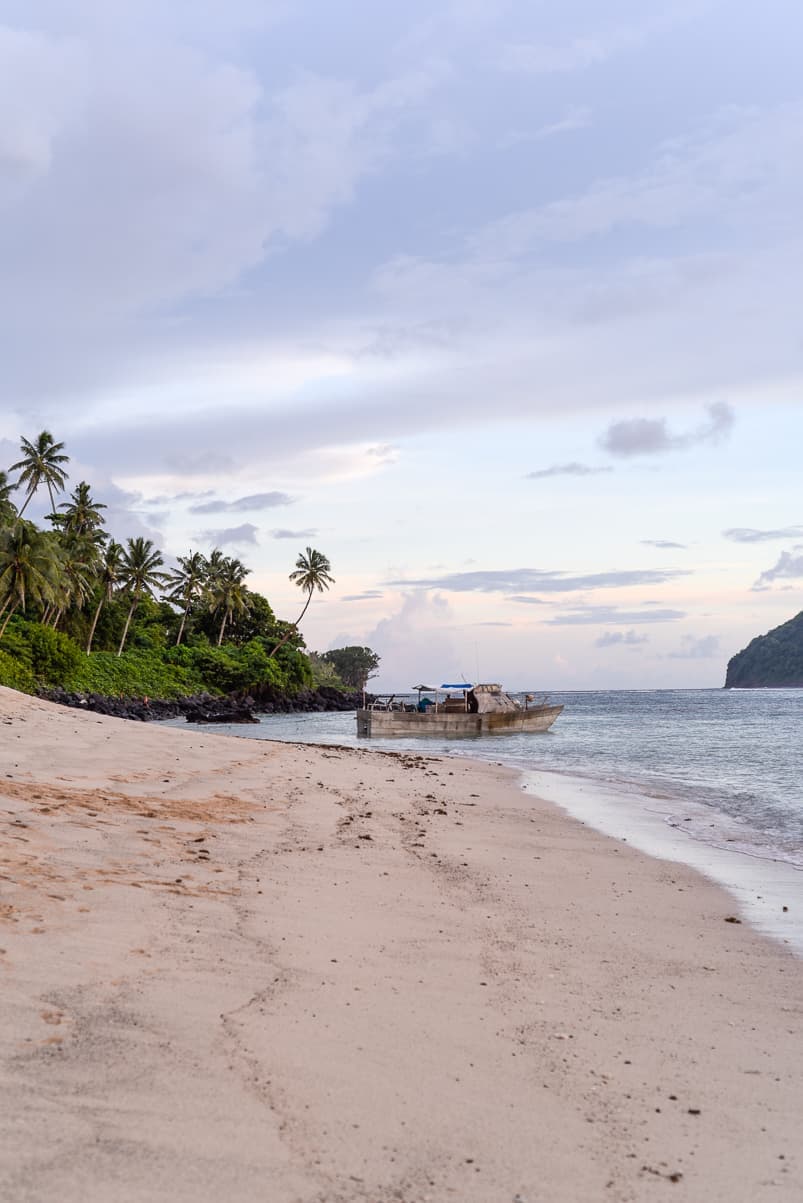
x,y
54,657
136,674
14,674
34,655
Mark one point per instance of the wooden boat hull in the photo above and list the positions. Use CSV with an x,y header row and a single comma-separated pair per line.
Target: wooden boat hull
x,y
387,724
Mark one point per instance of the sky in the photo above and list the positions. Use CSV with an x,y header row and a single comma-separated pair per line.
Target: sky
x,y
496,303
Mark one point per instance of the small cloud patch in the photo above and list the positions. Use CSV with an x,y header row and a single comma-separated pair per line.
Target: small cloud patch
x,y
788,568
748,534
664,544
247,533
621,638
254,501
282,533
651,436
571,469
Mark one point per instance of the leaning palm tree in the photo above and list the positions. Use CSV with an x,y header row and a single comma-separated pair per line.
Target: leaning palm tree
x,y
227,592
109,577
41,465
312,571
81,514
186,583
27,570
139,575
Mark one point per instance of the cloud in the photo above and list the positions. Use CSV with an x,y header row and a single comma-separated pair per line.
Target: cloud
x,y
651,436
256,501
705,648
788,568
536,580
619,638
572,469
247,533
418,636
747,534
281,533
541,58
664,544
491,624
369,595
611,615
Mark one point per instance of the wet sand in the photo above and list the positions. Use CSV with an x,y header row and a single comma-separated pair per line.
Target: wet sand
x,y
250,971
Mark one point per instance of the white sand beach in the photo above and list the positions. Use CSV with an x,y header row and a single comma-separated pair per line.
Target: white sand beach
x,y
245,971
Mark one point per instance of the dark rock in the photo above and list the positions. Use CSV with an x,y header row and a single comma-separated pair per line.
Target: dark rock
x,y
205,708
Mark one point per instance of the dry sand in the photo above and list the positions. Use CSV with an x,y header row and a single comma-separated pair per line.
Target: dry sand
x,y
234,970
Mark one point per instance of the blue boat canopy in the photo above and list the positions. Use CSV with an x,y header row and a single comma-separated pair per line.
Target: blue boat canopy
x,y
462,685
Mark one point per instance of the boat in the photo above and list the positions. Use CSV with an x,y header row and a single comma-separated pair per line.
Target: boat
x,y
455,710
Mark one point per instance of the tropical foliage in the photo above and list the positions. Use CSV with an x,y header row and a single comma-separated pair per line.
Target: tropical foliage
x,y
353,665
80,609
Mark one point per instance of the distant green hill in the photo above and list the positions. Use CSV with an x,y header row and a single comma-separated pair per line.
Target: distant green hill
x,y
774,659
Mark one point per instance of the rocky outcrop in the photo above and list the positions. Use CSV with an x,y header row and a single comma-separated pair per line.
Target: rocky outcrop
x,y
774,660
205,708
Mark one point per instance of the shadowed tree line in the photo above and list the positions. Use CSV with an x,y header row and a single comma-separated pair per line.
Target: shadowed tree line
x,y
101,597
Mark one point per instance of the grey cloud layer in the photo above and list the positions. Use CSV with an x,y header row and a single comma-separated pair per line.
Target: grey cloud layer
x,y
611,615
747,534
255,501
536,580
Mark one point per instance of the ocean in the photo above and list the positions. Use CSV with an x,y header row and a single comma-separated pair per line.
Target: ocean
x,y
712,778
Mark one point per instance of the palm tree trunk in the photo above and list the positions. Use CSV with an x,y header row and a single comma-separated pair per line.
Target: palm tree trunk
x,y
127,625
52,499
94,624
57,618
222,628
181,627
8,618
294,627
45,616
25,506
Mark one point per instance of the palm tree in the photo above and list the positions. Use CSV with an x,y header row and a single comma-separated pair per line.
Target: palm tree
x,y
27,569
227,592
109,576
8,511
41,465
312,571
77,561
81,513
139,574
187,581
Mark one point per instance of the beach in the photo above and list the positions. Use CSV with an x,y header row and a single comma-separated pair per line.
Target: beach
x,y
246,970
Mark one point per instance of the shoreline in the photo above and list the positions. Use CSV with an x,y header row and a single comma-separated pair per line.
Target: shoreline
x,y
361,975
663,821
767,888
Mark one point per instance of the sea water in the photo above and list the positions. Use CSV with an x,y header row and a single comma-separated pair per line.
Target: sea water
x,y
713,778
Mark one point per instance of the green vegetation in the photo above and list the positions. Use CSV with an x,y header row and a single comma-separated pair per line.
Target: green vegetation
x,y
353,665
92,615
774,659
